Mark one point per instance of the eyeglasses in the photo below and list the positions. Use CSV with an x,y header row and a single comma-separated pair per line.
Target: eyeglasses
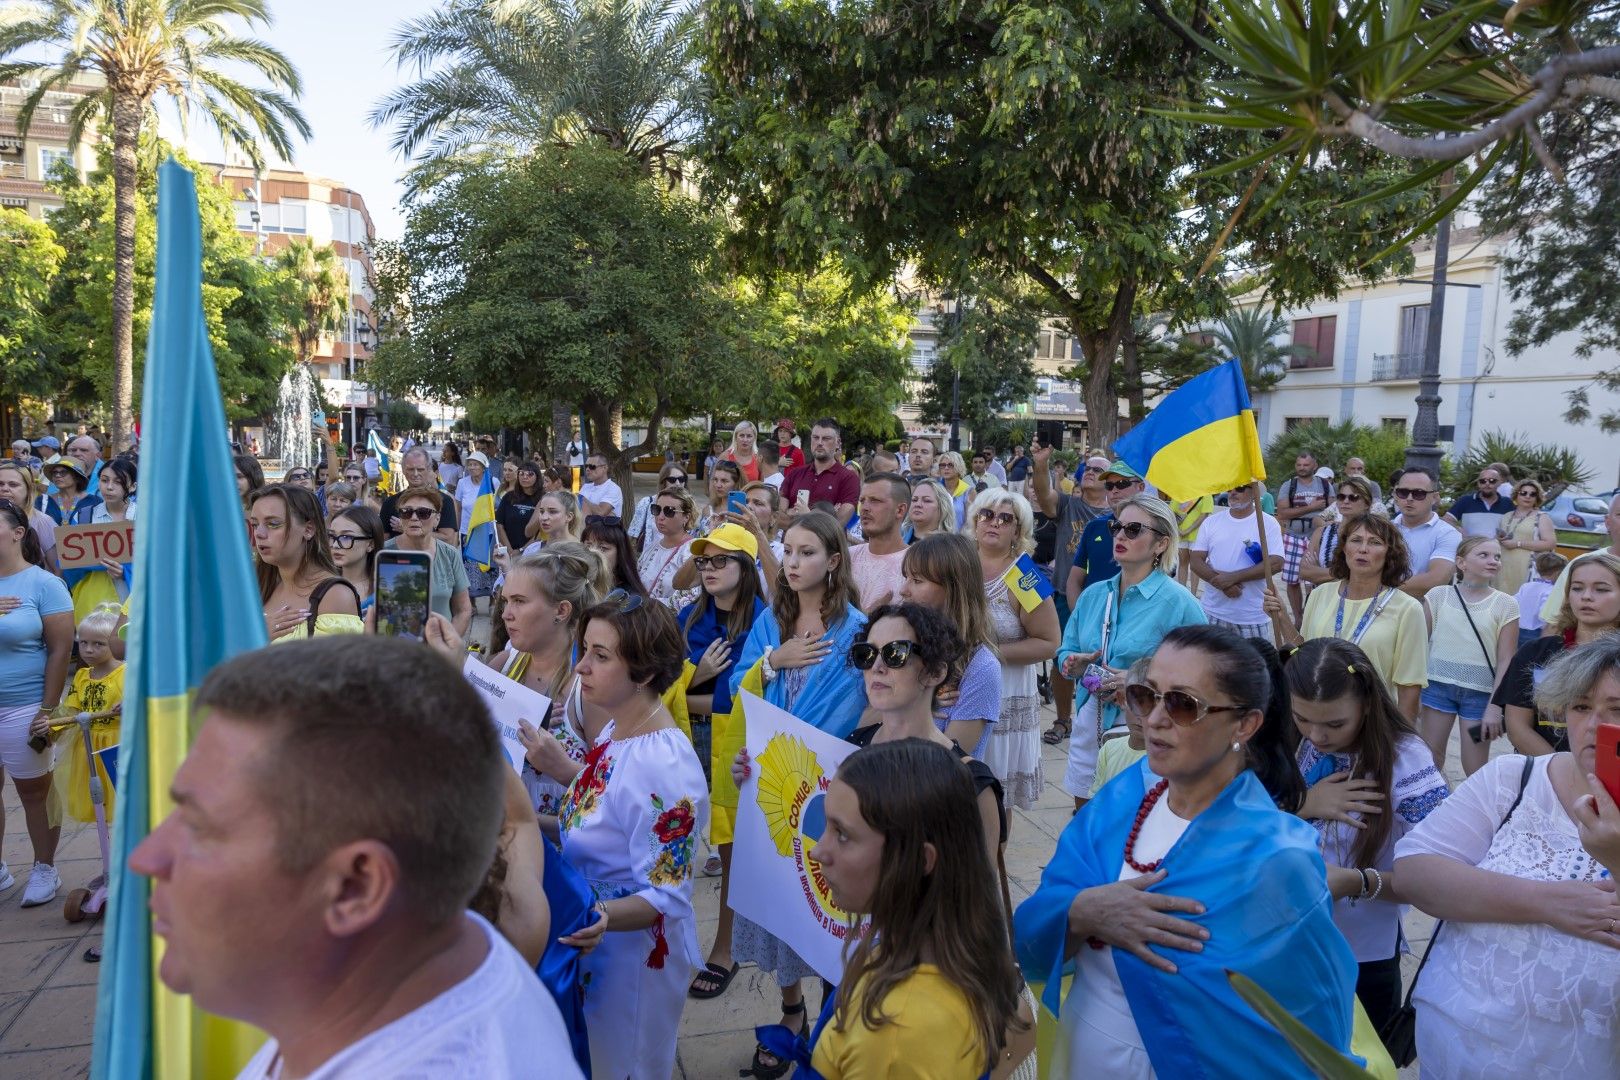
x,y
623,601
345,541
1483,482
711,562
863,654
610,520
418,513
673,479
664,510
987,515
1412,493
294,477
1348,496
354,478
1118,485
1528,493
1132,530
1183,709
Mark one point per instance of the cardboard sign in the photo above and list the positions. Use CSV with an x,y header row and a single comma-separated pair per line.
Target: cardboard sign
x,y
83,547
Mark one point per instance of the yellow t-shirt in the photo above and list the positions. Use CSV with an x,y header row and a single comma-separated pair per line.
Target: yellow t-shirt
x,y
1114,758
92,696
1189,519
928,1036
1397,641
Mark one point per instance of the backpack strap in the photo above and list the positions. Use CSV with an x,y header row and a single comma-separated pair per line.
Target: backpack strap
x,y
319,594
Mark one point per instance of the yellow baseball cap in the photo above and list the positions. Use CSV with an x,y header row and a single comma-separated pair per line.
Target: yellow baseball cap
x,y
728,537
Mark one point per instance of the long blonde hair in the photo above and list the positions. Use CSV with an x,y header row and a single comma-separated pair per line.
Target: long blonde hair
x,y
570,506
1611,563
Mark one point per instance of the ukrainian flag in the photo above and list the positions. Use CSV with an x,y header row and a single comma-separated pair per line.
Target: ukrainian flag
x,y
1199,440
195,604
393,477
480,546
1026,583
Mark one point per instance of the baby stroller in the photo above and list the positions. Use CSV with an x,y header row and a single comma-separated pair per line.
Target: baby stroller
x,y
88,901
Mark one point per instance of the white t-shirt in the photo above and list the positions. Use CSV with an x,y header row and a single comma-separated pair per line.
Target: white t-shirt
x,y
607,491
1104,1039
876,576
498,1021
1434,539
1224,538
775,480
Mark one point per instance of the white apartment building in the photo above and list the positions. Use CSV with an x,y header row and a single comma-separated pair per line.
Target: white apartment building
x,y
1369,343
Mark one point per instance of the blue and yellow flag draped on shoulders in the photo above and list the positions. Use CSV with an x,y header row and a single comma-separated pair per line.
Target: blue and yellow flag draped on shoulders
x,y
195,603
391,473
480,546
1200,439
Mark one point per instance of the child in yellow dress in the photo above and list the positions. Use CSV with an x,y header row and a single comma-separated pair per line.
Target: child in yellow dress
x,y
97,687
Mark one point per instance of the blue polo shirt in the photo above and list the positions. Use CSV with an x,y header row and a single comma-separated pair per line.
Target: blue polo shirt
x,y
1094,554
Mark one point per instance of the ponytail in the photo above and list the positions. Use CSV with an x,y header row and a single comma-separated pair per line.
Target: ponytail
x,y
31,549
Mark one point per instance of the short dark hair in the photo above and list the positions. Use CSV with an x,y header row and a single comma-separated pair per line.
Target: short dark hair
x,y
650,640
770,451
830,424
937,643
899,486
372,738
424,493
1423,469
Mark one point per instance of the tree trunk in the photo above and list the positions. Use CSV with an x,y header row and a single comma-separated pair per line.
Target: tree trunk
x,y
1130,370
606,422
126,112
562,420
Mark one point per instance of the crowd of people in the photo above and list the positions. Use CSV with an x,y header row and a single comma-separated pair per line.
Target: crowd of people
x,y
1256,693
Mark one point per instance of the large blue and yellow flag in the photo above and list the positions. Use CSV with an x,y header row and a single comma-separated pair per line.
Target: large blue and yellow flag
x,y
480,546
393,475
1200,439
195,603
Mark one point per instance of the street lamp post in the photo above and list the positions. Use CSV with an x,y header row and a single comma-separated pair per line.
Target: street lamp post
x,y
1425,450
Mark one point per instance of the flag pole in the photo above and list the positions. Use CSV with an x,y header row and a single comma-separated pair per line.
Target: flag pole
x,y
1260,525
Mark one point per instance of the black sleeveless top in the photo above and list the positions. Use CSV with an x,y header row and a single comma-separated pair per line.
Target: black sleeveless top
x,y
983,778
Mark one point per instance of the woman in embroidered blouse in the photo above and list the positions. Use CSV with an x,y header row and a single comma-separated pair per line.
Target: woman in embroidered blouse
x,y
1353,499
1367,608
1370,780
671,511
1525,971
628,823
1117,622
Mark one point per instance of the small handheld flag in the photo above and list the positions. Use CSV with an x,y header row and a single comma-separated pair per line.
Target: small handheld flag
x,y
1200,440
1027,583
480,547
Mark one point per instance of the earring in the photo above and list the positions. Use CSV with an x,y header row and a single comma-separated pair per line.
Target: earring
x,y
1158,559
1236,747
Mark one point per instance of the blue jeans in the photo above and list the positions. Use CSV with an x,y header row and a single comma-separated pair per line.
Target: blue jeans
x,y
1527,636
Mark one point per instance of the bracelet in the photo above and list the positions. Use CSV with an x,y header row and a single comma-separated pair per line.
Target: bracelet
x,y
1365,888
767,672
1378,881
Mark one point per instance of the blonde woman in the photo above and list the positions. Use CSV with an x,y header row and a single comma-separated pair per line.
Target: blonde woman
x,y
556,517
1003,529
1525,532
932,511
953,478
744,438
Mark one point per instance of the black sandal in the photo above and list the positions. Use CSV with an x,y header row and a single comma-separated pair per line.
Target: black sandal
x,y
1057,732
762,1071
717,977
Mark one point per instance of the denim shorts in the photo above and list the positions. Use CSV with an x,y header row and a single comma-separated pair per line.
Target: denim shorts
x,y
1457,700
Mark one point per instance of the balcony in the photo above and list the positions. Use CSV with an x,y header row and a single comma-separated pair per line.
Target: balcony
x,y
1396,367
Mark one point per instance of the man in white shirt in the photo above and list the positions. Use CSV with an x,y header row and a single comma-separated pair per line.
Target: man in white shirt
x,y
1430,542
1227,555
885,500
598,494
770,464
340,806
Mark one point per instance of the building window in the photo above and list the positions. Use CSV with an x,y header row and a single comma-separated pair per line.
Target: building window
x,y
1292,422
1317,336
1414,329
1052,345
49,156
1396,424
294,217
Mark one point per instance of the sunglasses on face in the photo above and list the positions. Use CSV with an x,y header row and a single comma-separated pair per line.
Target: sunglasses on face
x,y
417,513
345,541
1002,518
1183,709
1528,493
711,562
354,478
1483,482
674,480
1348,496
1130,531
295,477
1117,485
1412,493
667,511
863,654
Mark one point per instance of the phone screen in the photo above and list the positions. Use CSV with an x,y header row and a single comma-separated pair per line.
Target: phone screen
x,y
403,591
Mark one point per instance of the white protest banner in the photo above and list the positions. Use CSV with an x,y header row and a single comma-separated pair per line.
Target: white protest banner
x,y
508,703
781,811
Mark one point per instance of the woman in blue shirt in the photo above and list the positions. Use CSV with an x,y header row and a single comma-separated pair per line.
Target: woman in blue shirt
x,y
1117,622
716,625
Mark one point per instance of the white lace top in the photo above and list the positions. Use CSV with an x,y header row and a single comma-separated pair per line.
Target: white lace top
x,y
1510,1000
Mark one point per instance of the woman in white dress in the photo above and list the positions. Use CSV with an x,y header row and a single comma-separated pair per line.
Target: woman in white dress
x,y
672,511
1520,863
628,824
1004,528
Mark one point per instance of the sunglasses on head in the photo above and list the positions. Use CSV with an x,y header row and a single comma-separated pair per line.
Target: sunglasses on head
x,y
417,513
623,600
863,654
1130,531
1412,493
665,510
1117,485
612,521
1183,709
1001,518
711,562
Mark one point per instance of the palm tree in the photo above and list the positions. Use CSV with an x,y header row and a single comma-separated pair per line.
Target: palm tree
x,y
320,293
1250,335
141,49
505,76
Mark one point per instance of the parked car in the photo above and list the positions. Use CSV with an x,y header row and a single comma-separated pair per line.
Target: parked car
x,y
1579,511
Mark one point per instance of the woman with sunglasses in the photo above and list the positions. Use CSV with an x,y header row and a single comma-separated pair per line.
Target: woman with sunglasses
x,y
642,526
1003,529
796,657
1152,892
419,509
1354,498
1367,608
17,485
36,644
716,625
628,823
942,572
517,506
671,513
1525,532
356,534
299,585
1118,621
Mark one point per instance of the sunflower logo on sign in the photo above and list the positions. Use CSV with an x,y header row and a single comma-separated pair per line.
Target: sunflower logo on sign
x,y
792,796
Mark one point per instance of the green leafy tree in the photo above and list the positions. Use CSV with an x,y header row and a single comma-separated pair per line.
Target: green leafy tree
x,y
1023,137
186,50
405,416
29,259
318,288
569,275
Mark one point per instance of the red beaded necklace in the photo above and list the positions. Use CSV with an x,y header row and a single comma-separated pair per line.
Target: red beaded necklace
x,y
1148,801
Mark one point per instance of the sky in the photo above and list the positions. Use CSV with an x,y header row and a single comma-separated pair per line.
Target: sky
x,y
340,48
